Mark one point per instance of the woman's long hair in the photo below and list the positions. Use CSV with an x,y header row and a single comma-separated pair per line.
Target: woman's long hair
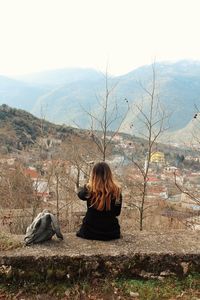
x,y
102,187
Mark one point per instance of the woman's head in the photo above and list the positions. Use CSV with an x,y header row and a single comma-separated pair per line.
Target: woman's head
x,y
102,186
101,172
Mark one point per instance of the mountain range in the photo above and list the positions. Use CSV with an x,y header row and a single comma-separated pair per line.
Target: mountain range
x,y
65,96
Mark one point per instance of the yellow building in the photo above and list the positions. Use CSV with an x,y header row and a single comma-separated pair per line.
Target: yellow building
x,y
158,157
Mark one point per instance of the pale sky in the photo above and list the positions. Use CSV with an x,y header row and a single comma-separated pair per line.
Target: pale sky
x,y
39,35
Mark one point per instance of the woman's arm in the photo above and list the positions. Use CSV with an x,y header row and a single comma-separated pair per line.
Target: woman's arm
x,y
118,206
83,193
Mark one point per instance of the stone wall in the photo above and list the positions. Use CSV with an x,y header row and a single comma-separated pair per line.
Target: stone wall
x,y
141,254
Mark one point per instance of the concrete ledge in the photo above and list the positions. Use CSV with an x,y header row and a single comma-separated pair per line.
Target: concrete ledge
x,y
141,254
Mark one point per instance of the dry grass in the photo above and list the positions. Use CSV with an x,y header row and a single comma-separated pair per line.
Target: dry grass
x,y
125,289
8,242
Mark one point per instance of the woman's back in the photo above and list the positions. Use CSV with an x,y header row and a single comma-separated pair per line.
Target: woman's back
x,y
103,206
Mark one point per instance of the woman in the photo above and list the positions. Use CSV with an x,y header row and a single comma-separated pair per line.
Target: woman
x,y
104,202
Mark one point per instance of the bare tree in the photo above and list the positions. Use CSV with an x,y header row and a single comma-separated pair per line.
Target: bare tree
x,y
190,191
106,119
151,121
190,195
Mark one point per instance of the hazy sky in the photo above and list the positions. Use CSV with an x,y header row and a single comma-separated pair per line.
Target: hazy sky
x,y
46,34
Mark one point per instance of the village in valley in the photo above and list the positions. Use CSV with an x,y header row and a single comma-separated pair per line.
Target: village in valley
x,y
32,181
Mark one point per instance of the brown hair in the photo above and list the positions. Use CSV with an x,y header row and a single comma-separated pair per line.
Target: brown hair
x,y
102,187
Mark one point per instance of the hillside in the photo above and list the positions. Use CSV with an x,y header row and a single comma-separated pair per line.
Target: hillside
x,y
187,136
19,129
178,87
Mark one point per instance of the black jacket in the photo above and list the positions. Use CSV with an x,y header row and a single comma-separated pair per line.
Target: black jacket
x,y
100,225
